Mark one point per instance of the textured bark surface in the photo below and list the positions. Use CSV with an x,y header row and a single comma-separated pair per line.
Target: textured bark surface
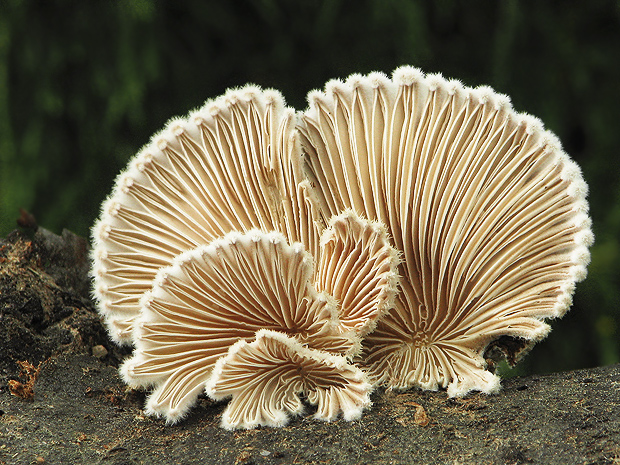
x,y
75,408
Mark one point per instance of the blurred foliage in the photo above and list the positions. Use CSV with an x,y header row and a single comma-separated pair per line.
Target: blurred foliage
x,y
83,85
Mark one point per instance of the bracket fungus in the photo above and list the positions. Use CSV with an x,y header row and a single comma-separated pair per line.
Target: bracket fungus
x,y
488,211
227,167
266,377
392,232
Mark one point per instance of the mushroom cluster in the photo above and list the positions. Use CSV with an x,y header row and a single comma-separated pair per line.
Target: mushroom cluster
x,y
392,234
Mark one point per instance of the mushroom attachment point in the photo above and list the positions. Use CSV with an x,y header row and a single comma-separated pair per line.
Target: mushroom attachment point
x,y
268,377
488,212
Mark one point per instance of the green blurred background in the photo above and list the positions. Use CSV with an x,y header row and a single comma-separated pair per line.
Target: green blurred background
x,y
84,84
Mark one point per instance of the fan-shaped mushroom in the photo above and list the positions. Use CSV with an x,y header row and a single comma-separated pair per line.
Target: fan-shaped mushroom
x,y
230,166
215,295
488,211
266,377
203,243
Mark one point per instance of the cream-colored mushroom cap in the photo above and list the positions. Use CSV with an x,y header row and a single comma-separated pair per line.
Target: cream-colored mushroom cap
x,y
488,211
266,378
229,166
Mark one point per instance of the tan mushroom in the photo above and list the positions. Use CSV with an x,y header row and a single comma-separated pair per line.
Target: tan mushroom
x,y
215,295
357,266
266,378
488,211
230,166
204,241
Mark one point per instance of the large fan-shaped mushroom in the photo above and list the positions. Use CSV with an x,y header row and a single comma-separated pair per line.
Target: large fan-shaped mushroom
x,y
488,211
203,243
230,166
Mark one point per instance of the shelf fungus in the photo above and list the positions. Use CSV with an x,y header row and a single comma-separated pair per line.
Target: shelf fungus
x,y
488,211
228,167
212,235
399,232
266,377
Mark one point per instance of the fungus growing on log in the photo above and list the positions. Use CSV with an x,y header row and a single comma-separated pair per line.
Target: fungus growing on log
x,y
405,224
227,167
487,210
266,377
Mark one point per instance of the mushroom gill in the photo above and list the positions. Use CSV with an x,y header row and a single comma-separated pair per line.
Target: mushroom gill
x,y
357,266
266,378
489,214
215,295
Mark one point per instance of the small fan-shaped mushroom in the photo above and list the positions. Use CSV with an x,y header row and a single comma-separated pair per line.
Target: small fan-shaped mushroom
x,y
215,295
488,211
230,166
265,379
357,266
